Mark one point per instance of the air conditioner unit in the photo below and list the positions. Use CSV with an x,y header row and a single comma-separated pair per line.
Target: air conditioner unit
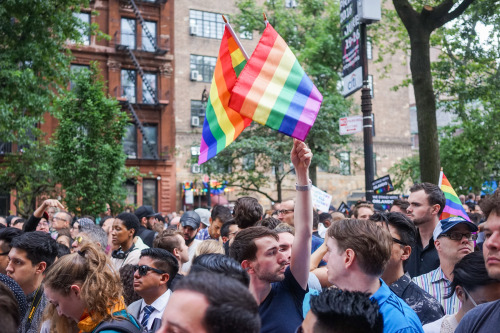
x,y
193,30
195,168
195,121
194,75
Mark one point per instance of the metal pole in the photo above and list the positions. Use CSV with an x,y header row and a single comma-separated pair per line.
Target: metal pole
x,y
366,108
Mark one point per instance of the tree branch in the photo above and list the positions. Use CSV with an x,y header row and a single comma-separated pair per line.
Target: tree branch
x,y
442,17
406,12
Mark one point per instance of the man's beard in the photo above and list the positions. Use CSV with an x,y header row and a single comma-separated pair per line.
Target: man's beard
x,y
189,241
270,277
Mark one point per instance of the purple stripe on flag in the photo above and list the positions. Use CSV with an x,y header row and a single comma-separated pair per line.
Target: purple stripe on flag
x,y
309,115
456,212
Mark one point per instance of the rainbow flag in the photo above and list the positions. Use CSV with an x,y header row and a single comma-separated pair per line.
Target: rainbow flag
x,y
222,124
274,90
453,205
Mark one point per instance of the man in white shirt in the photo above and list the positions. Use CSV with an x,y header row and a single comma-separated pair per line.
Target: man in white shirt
x,y
189,226
153,275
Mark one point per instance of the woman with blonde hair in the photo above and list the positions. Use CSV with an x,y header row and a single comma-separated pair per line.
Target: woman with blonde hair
x,y
209,246
84,287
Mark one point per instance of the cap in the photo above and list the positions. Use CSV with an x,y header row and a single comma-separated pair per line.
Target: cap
x,y
445,225
190,218
144,211
204,215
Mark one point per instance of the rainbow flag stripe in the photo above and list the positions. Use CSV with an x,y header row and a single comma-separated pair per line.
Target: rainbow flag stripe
x,y
274,90
222,124
453,205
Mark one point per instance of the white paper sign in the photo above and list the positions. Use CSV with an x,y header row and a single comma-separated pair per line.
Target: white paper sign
x,y
350,125
321,200
189,198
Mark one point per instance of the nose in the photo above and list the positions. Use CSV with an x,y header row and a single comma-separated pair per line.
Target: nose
x,y
493,242
9,268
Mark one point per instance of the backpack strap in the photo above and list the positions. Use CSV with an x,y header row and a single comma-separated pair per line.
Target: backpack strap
x,y
124,325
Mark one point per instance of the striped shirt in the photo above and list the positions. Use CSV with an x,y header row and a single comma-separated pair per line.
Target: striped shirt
x,y
203,234
436,284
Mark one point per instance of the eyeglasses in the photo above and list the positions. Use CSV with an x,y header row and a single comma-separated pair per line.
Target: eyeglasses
x,y
59,219
284,211
4,253
456,236
143,270
400,242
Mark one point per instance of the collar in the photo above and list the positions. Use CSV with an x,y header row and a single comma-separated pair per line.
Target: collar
x,y
382,294
160,303
437,275
88,324
399,286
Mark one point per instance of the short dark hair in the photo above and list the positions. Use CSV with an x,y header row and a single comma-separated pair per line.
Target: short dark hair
x,y
470,273
224,230
346,311
247,212
403,204
38,245
62,250
18,221
221,212
7,235
325,216
167,240
244,247
231,306
491,204
130,221
434,194
164,261
222,264
372,244
403,225
269,222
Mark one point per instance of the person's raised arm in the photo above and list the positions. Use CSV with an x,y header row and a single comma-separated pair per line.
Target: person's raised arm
x,y
303,216
34,219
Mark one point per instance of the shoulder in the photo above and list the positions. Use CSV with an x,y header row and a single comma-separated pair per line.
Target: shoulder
x,y
483,316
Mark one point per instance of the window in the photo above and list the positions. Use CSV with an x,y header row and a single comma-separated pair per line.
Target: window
x,y
84,29
369,51
205,66
128,32
131,189
148,44
149,193
151,134
130,141
5,147
128,81
370,85
74,70
206,24
195,150
197,111
148,97
345,163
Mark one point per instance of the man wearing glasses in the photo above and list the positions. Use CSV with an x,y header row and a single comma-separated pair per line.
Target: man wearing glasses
x,y
453,238
153,275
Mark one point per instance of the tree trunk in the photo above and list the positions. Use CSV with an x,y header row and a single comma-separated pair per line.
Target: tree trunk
x,y
313,173
420,66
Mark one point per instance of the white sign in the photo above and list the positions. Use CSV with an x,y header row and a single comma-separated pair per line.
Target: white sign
x,y
352,82
321,200
189,198
350,125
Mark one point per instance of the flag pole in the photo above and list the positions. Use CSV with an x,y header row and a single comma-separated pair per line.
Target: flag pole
x,y
235,38
265,19
440,182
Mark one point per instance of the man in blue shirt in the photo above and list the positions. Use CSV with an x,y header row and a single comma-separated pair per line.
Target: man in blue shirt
x,y
358,252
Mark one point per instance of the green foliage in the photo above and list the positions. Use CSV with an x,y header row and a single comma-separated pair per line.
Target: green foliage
x,y
88,155
406,172
312,31
34,62
29,173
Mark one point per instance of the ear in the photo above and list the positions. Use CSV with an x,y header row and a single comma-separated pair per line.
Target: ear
x,y
224,239
176,253
406,252
131,231
349,256
247,266
164,278
41,267
435,209
460,294
210,220
437,244
75,289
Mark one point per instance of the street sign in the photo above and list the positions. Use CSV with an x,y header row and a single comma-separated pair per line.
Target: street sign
x,y
350,125
352,66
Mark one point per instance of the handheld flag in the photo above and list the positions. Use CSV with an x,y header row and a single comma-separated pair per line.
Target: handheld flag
x,y
222,124
453,205
274,90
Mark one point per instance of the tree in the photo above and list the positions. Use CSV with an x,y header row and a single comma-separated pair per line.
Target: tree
x,y
421,19
312,32
88,155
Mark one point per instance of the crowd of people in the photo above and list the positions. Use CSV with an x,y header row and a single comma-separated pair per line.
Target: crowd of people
x,y
291,269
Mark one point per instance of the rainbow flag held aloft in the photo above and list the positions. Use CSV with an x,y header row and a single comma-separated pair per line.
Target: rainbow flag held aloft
x,y
274,90
453,205
222,124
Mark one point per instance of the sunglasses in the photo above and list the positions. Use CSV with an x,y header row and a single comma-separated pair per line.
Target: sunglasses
x,y
79,239
143,270
456,236
395,240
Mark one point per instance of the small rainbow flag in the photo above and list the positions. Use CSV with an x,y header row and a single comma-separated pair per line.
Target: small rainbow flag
x,y
274,90
222,124
453,205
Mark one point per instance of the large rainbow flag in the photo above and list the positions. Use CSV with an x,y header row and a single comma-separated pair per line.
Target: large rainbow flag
x,y
274,90
222,124
453,205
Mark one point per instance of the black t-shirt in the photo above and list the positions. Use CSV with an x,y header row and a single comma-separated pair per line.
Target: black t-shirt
x,y
281,311
422,260
483,318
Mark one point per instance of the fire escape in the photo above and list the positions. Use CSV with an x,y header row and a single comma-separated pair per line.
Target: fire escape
x,y
147,84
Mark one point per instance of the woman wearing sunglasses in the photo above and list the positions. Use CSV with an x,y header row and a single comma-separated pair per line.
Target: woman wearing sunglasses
x,y
473,286
84,287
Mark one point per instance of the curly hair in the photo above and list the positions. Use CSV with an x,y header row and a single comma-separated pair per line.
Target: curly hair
x,y
101,287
